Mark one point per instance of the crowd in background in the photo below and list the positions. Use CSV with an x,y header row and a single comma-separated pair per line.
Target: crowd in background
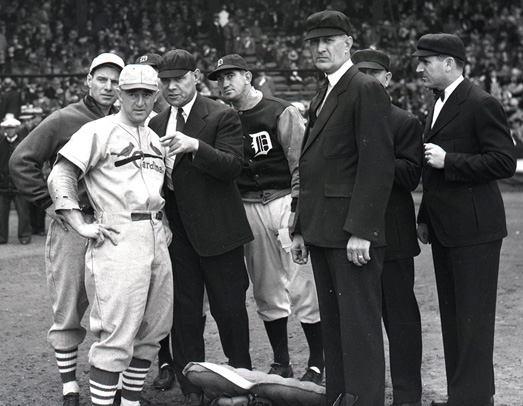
x,y
60,37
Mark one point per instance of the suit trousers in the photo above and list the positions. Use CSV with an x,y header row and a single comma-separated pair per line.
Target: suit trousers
x,y
350,301
402,321
226,280
22,209
467,279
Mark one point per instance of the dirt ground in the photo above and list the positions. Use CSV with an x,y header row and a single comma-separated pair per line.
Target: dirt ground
x,y
29,376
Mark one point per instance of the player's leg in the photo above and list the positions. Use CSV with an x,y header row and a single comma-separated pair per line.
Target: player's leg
x,y
25,231
65,269
266,271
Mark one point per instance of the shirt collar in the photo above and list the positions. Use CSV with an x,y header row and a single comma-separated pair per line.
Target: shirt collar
x,y
335,77
450,88
187,108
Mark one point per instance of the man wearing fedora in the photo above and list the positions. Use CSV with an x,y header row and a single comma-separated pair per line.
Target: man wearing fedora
x,y
346,175
206,216
269,183
401,315
467,148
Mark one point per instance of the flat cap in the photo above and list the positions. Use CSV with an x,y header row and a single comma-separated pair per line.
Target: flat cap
x,y
232,61
441,44
176,63
327,23
371,59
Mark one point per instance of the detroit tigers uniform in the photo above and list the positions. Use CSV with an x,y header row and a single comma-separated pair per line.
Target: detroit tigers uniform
x,y
268,182
123,170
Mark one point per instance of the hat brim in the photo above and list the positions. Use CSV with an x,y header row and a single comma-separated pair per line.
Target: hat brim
x,y
370,65
214,74
106,64
172,73
139,86
425,52
323,32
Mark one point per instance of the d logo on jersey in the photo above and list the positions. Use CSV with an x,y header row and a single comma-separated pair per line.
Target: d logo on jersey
x,y
261,143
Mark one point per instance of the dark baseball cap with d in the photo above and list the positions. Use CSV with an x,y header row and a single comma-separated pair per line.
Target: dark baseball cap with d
x,y
371,59
327,23
149,59
175,63
232,61
441,44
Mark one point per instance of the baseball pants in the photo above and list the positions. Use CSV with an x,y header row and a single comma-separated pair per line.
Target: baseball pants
x,y
279,284
133,294
65,269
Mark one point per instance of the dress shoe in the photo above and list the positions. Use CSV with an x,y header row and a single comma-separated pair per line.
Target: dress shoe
x,y
312,376
25,241
418,403
285,371
444,402
193,399
165,378
72,399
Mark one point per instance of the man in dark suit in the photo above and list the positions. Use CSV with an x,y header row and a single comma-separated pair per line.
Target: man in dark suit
x,y
346,174
206,216
467,148
400,309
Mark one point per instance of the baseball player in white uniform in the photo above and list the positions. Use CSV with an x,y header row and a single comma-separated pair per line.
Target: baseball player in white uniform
x,y
122,165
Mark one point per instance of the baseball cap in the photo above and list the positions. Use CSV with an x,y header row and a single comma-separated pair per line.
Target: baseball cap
x,y
327,23
10,122
149,59
371,59
107,59
138,77
176,63
441,44
232,61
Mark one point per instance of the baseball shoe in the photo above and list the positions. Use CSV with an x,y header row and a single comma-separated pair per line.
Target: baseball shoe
x,y
165,378
312,376
72,399
283,371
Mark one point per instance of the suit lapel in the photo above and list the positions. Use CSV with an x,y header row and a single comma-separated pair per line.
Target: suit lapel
x,y
195,122
451,108
328,107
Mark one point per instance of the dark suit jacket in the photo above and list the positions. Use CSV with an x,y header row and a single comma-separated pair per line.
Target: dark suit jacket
x,y
462,202
207,197
400,216
347,165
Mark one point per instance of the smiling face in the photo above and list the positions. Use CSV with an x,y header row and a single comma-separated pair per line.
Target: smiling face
x,y
137,104
102,83
180,91
330,53
233,83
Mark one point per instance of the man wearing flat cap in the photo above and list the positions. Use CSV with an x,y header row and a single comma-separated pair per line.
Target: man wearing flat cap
x,y
65,248
401,315
269,183
467,148
346,175
206,216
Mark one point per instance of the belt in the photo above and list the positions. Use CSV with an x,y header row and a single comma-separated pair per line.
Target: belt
x,y
146,216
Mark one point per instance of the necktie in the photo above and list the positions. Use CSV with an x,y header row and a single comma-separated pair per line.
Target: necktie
x,y
317,102
180,121
439,94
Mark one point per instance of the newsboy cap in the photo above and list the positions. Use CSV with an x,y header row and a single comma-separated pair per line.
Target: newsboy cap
x,y
371,59
232,61
176,63
327,23
441,44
